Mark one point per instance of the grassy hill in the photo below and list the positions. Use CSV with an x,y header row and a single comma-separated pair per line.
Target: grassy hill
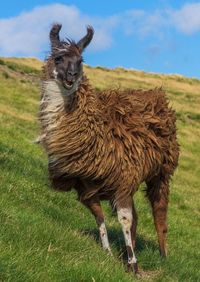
x,y
48,236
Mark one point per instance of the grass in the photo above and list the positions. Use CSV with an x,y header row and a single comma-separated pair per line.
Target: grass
x,y
49,236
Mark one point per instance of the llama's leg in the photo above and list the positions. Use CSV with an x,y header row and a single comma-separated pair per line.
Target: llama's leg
x,y
133,226
157,192
125,216
95,207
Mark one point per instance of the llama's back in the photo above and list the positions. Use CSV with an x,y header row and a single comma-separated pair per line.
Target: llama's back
x,y
146,118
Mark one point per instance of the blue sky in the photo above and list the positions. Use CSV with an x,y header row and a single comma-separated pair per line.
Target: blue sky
x,y
157,36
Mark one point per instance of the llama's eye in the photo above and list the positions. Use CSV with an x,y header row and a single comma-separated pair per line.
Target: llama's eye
x,y
58,60
80,61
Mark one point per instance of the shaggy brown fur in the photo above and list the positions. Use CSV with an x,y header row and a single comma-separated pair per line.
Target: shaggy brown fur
x,y
114,140
104,145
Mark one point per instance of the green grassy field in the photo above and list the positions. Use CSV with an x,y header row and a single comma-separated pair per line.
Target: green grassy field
x,y
49,236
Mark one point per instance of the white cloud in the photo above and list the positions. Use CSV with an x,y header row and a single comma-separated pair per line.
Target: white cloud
x,y
144,23
27,34
187,19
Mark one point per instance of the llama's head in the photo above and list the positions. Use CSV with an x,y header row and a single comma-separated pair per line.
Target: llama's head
x,y
67,56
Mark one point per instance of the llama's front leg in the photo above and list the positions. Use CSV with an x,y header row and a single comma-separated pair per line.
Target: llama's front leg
x,y
134,226
125,217
95,207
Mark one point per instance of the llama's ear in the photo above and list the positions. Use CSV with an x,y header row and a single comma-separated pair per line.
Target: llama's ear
x,y
84,42
54,35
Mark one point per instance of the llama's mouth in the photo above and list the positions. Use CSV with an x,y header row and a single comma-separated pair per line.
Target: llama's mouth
x,y
68,84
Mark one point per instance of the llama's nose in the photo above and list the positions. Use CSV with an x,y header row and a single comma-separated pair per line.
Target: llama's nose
x,y
72,73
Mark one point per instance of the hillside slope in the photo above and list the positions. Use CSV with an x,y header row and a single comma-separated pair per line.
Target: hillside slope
x,y
49,236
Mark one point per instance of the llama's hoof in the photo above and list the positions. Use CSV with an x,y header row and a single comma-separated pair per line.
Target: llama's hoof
x,y
109,252
133,267
163,254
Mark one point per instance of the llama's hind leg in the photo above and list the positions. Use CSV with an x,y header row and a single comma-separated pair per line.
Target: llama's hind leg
x,y
157,193
125,216
93,204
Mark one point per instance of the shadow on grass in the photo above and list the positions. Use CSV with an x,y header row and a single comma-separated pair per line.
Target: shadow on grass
x,y
116,240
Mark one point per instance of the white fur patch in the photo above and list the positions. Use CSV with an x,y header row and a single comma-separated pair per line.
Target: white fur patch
x,y
125,218
104,237
51,90
55,73
52,104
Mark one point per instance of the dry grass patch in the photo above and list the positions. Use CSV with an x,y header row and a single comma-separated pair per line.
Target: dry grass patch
x,y
30,62
15,114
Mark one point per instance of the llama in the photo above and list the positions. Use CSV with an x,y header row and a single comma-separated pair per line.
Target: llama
x,y
104,145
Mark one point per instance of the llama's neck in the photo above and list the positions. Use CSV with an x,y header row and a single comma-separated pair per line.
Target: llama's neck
x,y
56,106
51,101
68,135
